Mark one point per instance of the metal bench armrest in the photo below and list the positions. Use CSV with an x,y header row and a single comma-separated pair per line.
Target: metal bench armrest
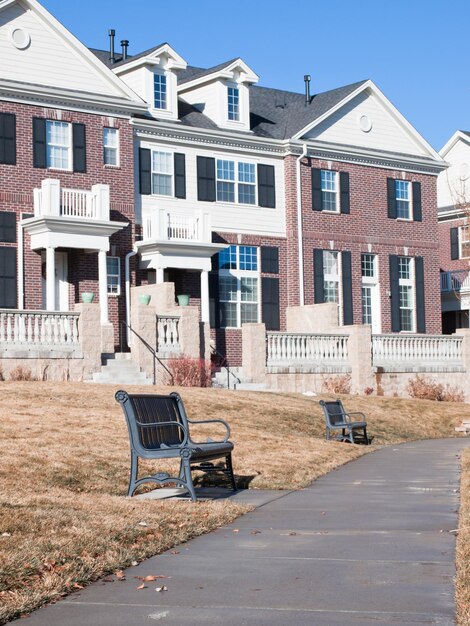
x,y
356,413
215,421
164,425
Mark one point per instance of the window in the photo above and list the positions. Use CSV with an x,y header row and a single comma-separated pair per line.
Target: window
x,y
238,285
159,91
329,190
110,146
58,145
114,275
403,199
233,102
406,295
162,173
331,276
369,282
464,242
236,182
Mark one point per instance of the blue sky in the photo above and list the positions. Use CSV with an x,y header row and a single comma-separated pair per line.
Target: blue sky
x,y
416,51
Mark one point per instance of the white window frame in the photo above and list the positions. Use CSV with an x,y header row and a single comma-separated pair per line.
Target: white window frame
x,y
370,283
170,174
67,146
464,241
237,181
112,149
239,275
160,76
233,103
409,283
326,189
333,278
113,289
400,198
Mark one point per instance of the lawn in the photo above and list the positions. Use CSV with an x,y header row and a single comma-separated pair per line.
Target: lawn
x,y
64,471
462,583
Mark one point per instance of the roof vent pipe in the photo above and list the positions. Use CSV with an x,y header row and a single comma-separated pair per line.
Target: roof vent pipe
x,y
124,46
307,88
111,34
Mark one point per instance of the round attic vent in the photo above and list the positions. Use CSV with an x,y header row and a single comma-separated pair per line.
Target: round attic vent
x,y
20,38
365,123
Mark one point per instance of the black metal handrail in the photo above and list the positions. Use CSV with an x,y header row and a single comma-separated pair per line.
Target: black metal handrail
x,y
151,350
224,364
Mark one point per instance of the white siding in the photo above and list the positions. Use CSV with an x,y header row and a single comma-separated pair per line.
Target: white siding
x,y
225,217
453,184
48,60
206,99
214,98
136,80
386,133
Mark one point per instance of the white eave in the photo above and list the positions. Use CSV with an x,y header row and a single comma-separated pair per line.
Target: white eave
x,y
456,137
174,60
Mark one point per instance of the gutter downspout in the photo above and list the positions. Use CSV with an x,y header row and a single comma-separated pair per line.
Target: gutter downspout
x,y
299,227
21,261
128,294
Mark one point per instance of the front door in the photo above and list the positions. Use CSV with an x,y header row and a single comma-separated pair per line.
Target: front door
x,y
61,282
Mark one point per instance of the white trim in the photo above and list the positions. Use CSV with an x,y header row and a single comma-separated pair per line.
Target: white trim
x,y
226,72
174,60
456,137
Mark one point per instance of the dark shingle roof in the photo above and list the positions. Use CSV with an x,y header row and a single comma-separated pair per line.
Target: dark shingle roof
x,y
103,56
190,73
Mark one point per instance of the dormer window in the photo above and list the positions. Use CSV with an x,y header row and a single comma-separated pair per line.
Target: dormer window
x,y
159,91
233,102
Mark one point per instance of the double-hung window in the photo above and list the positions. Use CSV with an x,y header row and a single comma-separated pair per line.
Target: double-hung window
x,y
110,146
403,199
58,145
369,284
113,264
238,285
159,91
233,104
329,190
236,182
162,173
331,276
464,240
406,293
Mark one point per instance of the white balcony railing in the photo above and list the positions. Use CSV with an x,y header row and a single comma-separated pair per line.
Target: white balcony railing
x,y
52,201
168,334
416,349
38,329
456,280
284,349
167,225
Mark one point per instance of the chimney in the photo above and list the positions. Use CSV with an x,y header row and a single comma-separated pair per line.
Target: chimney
x,y
124,46
307,88
111,34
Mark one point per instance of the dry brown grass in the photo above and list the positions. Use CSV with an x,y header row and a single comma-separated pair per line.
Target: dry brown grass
x,y
462,583
64,471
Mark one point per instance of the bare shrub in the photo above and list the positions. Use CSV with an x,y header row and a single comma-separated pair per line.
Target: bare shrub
x,y
20,373
337,384
368,391
188,372
2,377
429,389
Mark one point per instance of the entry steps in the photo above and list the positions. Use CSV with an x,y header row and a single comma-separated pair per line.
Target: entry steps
x,y
220,379
119,369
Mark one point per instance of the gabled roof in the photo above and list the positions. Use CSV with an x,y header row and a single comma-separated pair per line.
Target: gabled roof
x,y
458,135
199,76
191,73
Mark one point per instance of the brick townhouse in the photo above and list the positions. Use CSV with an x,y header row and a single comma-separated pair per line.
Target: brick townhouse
x,y
249,199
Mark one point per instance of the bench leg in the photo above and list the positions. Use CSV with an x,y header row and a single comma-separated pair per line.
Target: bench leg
x,y
134,473
229,466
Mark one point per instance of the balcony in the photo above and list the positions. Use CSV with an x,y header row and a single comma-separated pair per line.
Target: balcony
x,y
52,201
182,227
455,281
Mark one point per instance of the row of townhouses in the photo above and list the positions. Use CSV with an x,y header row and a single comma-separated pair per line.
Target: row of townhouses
x,y
121,172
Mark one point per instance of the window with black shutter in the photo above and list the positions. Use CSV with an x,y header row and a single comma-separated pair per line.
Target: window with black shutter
x,y
270,302
454,243
180,175
8,226
266,186
394,294
317,202
347,288
270,259
319,293
8,288
8,138
39,142
205,179
79,147
145,171
420,300
417,210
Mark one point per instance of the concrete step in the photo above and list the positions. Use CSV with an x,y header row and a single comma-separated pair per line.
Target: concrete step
x,y
120,369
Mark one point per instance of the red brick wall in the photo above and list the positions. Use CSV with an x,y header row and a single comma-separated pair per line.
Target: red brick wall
x,y
446,263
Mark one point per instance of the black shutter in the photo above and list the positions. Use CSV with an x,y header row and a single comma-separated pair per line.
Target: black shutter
x,y
394,294
347,288
145,171
214,292
391,198
317,198
420,305
8,226
180,175
206,179
266,186
8,138
454,243
344,192
269,260
417,211
270,302
39,142
319,293
79,147
8,278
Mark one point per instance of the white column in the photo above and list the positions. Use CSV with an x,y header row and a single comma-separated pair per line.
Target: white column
x,y
103,286
160,275
204,296
50,279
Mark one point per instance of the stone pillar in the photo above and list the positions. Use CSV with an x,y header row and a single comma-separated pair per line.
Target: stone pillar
x,y
254,352
143,322
204,296
88,331
465,333
189,332
360,357
103,286
50,279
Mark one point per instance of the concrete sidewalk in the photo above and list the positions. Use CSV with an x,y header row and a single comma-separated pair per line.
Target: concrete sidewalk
x,y
367,544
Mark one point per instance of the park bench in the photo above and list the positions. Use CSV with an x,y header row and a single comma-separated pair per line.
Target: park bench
x,y
336,418
160,429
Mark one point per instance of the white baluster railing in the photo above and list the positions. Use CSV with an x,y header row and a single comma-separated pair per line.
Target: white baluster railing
x,y
182,227
416,349
78,203
456,280
168,334
284,349
39,329
52,200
